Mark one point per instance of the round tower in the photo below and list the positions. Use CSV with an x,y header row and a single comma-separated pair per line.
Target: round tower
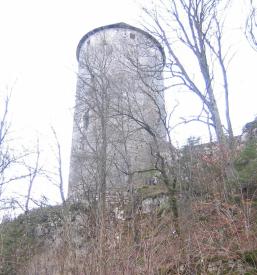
x,y
118,112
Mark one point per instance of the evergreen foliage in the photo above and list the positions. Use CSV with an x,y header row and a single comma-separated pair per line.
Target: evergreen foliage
x,y
246,164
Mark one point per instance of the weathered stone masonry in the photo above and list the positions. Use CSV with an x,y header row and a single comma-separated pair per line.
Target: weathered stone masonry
x,y
119,92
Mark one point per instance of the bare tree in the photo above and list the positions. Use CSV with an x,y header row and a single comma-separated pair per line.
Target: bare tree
x,y
7,158
10,160
16,166
5,155
194,28
251,26
92,156
59,163
163,152
33,171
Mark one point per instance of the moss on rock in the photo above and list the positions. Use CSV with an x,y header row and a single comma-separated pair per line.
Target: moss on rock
x,y
152,191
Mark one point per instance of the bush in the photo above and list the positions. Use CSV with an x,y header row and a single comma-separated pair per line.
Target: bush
x,y
246,165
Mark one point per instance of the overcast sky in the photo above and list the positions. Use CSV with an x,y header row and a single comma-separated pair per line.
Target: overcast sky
x,y
38,59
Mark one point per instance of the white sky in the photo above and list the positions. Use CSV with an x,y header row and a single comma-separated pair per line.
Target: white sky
x,y
38,40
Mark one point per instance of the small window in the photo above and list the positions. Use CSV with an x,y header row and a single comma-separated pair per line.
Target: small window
x,y
132,35
88,42
86,119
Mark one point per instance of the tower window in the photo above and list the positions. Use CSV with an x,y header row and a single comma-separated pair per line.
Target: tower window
x,y
132,35
86,120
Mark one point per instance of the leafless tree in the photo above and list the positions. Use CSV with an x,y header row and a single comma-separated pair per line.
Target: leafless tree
x,y
16,165
251,26
58,156
9,159
6,157
160,147
33,172
192,34
93,157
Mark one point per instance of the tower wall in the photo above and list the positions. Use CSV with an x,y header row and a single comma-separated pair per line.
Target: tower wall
x,y
117,120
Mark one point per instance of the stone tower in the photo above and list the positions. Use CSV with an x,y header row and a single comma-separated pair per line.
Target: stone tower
x,y
118,112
